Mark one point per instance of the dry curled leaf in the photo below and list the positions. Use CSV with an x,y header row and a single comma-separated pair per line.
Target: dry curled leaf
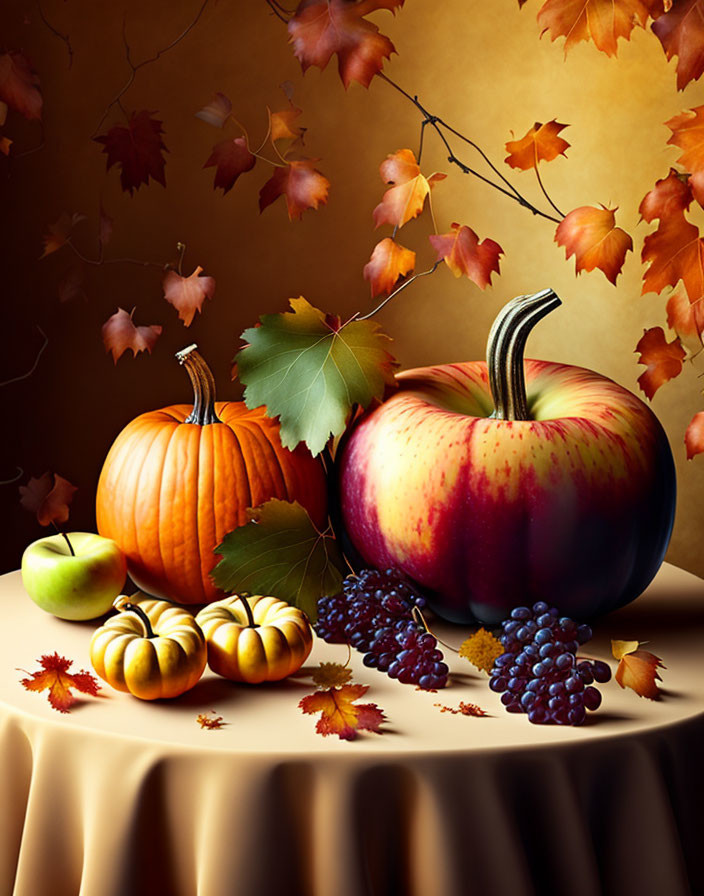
x,y
591,235
694,437
48,496
301,183
390,261
55,677
405,198
340,714
60,232
637,669
663,359
282,126
331,675
230,158
19,85
464,709
217,111
210,720
541,143
681,33
481,649
464,254
137,149
120,333
187,294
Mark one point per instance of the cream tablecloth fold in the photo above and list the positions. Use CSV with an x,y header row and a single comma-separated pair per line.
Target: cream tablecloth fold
x,y
122,798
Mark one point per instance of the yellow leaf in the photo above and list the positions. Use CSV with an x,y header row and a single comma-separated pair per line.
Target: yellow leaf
x,y
481,649
330,675
619,649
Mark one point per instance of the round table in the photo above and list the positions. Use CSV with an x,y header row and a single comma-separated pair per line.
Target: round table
x,y
121,797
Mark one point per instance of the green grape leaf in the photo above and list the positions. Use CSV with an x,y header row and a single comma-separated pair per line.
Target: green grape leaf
x,y
309,369
280,553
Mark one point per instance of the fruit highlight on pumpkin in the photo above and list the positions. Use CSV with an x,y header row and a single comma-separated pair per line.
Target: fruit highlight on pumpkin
x,y
177,480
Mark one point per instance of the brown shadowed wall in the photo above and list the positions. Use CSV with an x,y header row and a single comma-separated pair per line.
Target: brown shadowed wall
x,y
481,66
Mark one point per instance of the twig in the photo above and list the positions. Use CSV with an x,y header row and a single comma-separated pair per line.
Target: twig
x,y
135,67
277,10
64,37
397,291
97,262
32,149
545,192
24,376
15,478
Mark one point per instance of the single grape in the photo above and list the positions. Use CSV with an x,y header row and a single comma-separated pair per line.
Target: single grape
x,y
601,671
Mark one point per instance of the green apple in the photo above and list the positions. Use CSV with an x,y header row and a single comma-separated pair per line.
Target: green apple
x,y
74,586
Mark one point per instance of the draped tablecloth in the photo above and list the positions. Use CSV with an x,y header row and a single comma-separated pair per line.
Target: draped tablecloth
x,y
122,797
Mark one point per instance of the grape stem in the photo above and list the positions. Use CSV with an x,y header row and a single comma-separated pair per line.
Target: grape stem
x,y
419,619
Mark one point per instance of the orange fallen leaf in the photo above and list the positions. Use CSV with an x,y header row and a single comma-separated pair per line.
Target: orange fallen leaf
x,y
230,158
464,254
662,358
603,21
330,675
120,333
187,294
19,85
217,111
681,33
301,183
388,262
688,134
55,677
464,709
694,437
637,669
48,496
210,720
340,714
540,144
406,197
591,235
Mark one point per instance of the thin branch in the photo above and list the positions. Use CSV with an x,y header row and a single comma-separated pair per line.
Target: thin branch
x,y
32,149
423,125
545,192
64,37
277,10
97,262
18,475
397,291
135,67
24,376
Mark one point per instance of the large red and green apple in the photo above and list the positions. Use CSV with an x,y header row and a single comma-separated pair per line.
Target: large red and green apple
x,y
78,585
573,504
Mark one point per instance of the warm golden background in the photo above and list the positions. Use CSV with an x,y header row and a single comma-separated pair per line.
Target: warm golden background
x,y
481,66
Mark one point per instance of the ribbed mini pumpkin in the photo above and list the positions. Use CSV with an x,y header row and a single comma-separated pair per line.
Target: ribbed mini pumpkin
x,y
255,638
151,649
177,480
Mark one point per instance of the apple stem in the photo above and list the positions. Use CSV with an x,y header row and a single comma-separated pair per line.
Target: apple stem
x,y
65,537
504,352
127,607
248,610
203,383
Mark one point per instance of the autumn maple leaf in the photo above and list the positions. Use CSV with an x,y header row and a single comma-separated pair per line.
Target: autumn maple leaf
x,y
230,158
137,149
591,235
55,677
48,496
60,232
19,85
389,261
603,21
282,126
464,254
674,252
540,144
662,358
688,134
340,714
120,333
320,29
670,196
684,317
187,294
330,675
681,33
217,111
637,669
406,198
694,437
300,182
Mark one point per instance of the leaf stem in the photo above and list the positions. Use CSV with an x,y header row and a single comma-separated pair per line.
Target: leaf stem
x,y
64,37
24,376
397,291
545,192
96,262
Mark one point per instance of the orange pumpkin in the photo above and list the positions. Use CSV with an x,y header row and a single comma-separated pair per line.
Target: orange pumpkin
x,y
177,480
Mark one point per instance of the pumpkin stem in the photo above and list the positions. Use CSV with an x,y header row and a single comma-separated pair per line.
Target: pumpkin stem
x,y
504,352
203,384
123,604
248,610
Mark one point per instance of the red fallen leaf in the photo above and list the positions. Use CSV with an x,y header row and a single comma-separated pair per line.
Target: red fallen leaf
x,y
464,254
281,124
231,158
71,284
637,669
60,232
5,144
19,85
603,21
340,715
303,186
406,198
48,497
541,143
681,33
670,195
55,677
694,437
688,134
187,294
210,720
591,235
389,261
105,223
320,29
137,149
464,709
662,358
217,111
684,317
120,333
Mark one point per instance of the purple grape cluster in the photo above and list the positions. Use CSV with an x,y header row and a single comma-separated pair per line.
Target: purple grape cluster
x,y
374,614
539,672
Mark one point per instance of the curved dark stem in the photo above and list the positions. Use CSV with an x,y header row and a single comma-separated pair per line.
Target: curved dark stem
x,y
96,262
396,292
203,383
18,475
65,537
277,10
64,37
504,352
127,607
545,192
24,376
248,610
